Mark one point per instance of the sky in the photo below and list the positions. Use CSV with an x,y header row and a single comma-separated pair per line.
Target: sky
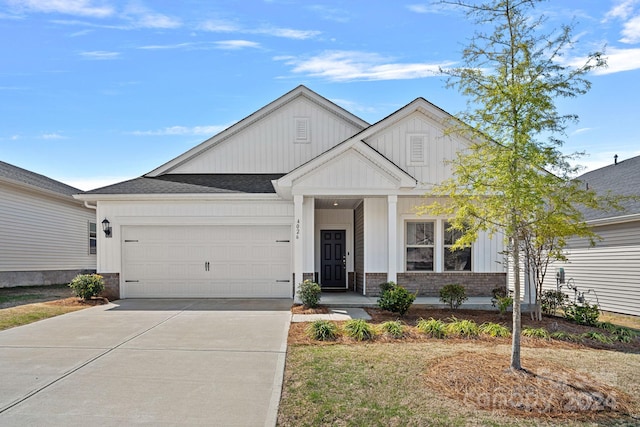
x,y
94,92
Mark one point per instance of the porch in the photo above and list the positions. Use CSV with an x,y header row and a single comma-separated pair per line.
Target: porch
x,y
351,299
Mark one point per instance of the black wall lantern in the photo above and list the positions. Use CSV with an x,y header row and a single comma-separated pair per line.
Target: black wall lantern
x,y
106,227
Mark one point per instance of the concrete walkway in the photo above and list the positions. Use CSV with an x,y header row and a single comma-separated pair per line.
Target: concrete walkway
x,y
148,362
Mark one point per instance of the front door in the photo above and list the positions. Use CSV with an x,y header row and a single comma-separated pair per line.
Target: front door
x,y
333,261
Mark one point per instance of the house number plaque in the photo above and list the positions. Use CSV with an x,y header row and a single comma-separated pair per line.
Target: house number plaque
x,y
298,229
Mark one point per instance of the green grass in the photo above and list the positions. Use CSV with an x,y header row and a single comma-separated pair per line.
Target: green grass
x,y
380,384
462,328
22,315
540,333
21,297
393,328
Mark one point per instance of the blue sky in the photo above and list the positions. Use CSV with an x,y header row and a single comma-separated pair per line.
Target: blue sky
x,y
97,91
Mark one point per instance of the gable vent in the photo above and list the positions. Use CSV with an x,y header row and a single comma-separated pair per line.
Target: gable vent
x,y
302,129
417,147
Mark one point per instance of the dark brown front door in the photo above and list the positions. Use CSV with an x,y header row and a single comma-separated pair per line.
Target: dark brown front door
x,y
333,261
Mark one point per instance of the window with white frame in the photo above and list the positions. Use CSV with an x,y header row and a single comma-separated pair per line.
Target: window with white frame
x,y
420,242
455,260
93,243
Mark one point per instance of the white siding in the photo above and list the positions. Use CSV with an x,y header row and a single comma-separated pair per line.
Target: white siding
x,y
39,233
393,143
270,146
611,268
334,219
181,213
375,235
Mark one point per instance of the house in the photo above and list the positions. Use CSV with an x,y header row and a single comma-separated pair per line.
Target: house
x,y
46,236
300,189
609,272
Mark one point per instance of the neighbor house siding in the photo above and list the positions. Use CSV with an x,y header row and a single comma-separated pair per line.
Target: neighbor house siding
x,y
270,146
43,233
611,269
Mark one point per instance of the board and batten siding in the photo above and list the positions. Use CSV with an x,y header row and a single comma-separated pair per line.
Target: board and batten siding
x,y
270,146
39,232
611,268
182,212
393,144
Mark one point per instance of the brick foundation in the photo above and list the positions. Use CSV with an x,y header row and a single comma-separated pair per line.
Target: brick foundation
x,y
111,286
429,284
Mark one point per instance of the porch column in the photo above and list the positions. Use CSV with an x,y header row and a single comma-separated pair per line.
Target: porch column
x,y
298,246
392,219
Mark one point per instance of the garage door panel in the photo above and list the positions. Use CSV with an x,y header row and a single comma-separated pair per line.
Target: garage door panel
x,y
207,261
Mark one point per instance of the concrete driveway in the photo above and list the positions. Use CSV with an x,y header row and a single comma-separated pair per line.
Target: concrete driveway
x,y
155,362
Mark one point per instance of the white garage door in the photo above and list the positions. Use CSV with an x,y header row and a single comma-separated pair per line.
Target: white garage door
x,y
206,261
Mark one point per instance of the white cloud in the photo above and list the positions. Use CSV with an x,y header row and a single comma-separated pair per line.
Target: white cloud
x,y
220,26
622,10
605,158
619,60
631,30
182,130
331,14
100,55
52,135
437,8
168,46
86,184
67,7
236,44
581,130
142,17
355,65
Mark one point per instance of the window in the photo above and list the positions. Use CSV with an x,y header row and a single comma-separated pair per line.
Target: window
x,y
419,246
302,130
459,260
92,239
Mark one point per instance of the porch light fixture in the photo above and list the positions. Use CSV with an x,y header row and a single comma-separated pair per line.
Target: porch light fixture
x,y
335,203
106,227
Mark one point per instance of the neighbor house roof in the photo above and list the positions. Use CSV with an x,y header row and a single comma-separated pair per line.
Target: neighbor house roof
x,y
193,183
22,177
621,178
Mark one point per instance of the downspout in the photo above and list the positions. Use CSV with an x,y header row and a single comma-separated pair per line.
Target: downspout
x,y
87,205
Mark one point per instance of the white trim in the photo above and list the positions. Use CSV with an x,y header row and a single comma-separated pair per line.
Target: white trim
x,y
614,219
298,246
392,218
171,197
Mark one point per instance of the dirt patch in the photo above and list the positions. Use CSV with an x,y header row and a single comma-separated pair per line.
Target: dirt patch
x,y
78,302
22,295
545,389
303,309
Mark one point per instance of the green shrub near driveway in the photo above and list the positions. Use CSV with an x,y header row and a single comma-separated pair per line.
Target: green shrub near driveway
x,y
87,286
359,329
322,330
454,295
393,328
310,293
395,298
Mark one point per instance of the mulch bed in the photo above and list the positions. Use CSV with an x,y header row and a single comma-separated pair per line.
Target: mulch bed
x,y
78,302
303,309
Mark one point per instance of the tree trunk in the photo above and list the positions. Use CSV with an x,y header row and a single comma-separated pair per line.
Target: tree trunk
x,y
515,335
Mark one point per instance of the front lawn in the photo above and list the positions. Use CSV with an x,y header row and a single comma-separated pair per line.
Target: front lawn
x,y
420,381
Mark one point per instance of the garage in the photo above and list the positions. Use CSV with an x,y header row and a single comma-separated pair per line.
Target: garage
x,y
222,261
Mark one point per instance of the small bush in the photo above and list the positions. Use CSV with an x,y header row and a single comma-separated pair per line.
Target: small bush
x,y
551,301
540,333
435,328
597,336
504,303
462,328
607,326
86,286
310,293
359,329
393,328
565,336
322,330
495,330
454,295
623,334
387,286
499,292
583,314
395,298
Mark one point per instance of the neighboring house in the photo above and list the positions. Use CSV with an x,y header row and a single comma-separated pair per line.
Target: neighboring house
x,y
46,236
611,268
300,189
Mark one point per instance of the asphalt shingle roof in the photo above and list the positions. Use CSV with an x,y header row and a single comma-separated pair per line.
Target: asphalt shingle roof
x,y
193,183
23,176
622,178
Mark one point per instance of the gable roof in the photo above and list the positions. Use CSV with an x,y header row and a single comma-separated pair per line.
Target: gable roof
x,y
193,184
24,178
622,179
300,91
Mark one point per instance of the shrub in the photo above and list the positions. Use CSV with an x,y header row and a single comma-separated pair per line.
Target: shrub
x,y
585,314
504,303
309,293
495,330
393,328
359,329
565,336
623,334
462,328
551,301
607,326
395,298
387,286
540,333
322,330
86,286
454,295
597,336
432,327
